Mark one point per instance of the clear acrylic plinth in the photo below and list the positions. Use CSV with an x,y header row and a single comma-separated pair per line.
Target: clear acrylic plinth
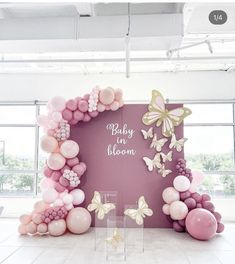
x,y
116,239
134,233
101,224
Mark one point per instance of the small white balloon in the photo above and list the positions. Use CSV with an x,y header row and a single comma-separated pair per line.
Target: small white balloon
x,y
170,195
166,209
181,183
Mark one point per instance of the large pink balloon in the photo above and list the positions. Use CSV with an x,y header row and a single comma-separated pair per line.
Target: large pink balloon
x,y
56,161
69,149
201,224
57,227
78,220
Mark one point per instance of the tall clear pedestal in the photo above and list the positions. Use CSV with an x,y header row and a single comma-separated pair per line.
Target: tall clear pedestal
x,y
116,239
101,224
134,233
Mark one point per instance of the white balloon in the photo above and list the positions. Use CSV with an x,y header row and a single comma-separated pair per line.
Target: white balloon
x,y
181,183
78,196
170,195
178,210
166,209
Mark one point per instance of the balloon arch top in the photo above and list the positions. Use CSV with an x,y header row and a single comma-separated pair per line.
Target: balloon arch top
x,y
60,208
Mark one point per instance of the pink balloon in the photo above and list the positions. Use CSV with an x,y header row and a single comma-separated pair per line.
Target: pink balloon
x,y
78,115
36,218
198,178
56,161
58,103
83,165
100,107
25,219
217,216
47,171
69,149
177,227
67,114
107,96
181,183
22,229
201,224
93,114
71,104
31,228
59,188
49,196
83,105
118,94
78,196
86,118
197,197
55,176
166,209
208,206
64,182
114,106
78,220
42,228
40,206
52,124
66,167
42,120
185,195
191,203
79,169
220,228
57,227
206,197
72,162
46,183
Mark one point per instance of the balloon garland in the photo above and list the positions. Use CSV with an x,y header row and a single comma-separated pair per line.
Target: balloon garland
x,y
63,171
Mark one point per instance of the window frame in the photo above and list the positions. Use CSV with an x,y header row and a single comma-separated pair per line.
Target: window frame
x,y
38,104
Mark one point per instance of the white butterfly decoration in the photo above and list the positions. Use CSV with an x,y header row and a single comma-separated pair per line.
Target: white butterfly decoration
x,y
163,171
147,134
100,209
141,212
166,157
158,144
177,144
167,118
154,163
115,239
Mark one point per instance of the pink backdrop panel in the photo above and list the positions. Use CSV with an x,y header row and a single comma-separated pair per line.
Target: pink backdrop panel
x,y
127,174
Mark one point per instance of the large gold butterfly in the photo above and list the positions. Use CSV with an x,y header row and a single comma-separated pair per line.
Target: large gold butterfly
x,y
169,119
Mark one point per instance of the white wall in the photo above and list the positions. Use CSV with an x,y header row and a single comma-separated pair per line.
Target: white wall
x,y
181,85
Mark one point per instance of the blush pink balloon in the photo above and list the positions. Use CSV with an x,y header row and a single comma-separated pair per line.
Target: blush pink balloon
x,y
178,210
83,105
46,183
198,178
56,116
93,114
118,94
100,107
48,144
170,195
22,229
42,228
57,103
66,167
31,228
166,209
49,195
86,118
107,96
59,188
55,176
69,149
201,224
40,206
42,120
47,171
36,218
114,106
78,220
57,227
79,169
25,219
56,161
73,122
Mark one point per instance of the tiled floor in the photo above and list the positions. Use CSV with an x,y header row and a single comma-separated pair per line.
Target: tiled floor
x,y
161,246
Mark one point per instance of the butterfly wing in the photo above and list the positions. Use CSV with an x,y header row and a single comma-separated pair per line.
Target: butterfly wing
x,y
167,127
156,108
157,161
95,202
173,141
161,142
166,157
132,213
143,210
180,144
148,163
147,134
177,115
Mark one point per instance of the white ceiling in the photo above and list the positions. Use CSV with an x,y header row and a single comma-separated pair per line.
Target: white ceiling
x,y
90,38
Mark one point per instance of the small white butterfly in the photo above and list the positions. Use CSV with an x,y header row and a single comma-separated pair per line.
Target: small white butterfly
x,y
158,144
166,157
154,163
141,212
115,239
177,144
147,134
100,208
162,170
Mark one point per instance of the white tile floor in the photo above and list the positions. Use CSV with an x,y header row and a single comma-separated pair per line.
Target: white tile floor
x,y
161,246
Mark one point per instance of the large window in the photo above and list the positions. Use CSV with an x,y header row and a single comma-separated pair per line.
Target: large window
x,y
210,148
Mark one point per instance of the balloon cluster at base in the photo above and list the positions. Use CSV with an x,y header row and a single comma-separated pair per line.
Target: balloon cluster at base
x,y
188,210
60,208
